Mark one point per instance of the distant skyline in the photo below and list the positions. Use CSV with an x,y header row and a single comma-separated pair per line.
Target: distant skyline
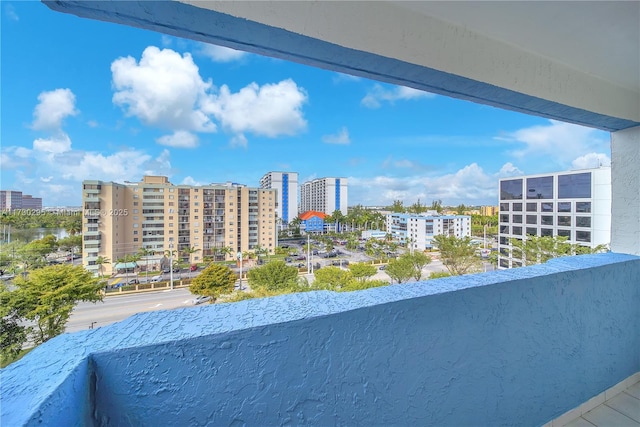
x,y
83,99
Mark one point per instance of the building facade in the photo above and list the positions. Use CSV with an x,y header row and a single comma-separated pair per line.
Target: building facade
x,y
119,219
324,195
489,210
418,231
12,200
286,185
575,204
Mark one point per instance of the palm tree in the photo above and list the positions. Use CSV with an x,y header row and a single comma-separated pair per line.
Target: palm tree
x,y
259,250
129,258
224,251
100,261
144,252
190,251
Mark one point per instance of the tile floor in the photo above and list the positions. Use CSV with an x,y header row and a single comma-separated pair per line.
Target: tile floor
x,y
617,407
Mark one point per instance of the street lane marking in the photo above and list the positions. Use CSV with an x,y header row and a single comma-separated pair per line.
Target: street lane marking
x,y
156,306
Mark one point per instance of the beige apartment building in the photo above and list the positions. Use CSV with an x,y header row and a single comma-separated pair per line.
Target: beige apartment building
x,y
120,219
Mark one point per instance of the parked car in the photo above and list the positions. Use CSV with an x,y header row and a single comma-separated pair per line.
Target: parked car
x,y
133,281
166,271
301,257
382,267
193,267
201,299
287,259
155,279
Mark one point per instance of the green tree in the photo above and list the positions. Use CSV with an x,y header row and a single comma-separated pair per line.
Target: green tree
x,y
538,250
458,254
461,209
397,207
145,253
223,251
418,260
361,271
13,332
214,281
48,296
439,274
72,224
400,269
436,205
417,208
332,278
100,261
274,276
189,251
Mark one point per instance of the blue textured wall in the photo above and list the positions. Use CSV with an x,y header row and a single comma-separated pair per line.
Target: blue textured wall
x,y
512,347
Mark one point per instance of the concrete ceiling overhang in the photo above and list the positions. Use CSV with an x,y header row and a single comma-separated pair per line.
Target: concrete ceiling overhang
x,y
572,61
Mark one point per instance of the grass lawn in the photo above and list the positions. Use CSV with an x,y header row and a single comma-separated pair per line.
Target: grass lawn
x,y
4,362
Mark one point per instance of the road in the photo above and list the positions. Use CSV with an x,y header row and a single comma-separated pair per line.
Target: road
x,y
116,308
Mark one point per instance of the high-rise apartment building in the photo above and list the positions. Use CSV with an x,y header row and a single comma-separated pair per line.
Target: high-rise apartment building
x,y
286,184
119,219
574,204
324,195
419,230
12,200
489,210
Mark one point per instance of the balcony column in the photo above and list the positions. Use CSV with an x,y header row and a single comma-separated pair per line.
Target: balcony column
x,y
625,187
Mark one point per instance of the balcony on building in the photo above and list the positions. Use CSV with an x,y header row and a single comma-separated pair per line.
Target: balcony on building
x,y
522,346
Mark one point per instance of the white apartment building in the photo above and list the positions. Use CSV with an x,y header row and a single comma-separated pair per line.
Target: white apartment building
x,y
324,195
286,184
419,230
575,204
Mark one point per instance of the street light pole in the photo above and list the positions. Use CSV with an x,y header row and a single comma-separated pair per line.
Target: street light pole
x,y
240,258
171,264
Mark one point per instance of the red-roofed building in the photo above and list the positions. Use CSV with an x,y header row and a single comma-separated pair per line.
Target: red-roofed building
x,y
313,221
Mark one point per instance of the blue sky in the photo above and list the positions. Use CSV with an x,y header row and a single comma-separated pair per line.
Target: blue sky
x,y
84,99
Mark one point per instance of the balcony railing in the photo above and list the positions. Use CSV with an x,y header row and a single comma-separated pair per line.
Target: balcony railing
x,y
519,346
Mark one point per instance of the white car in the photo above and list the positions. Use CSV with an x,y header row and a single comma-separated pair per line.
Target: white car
x,y
200,300
157,278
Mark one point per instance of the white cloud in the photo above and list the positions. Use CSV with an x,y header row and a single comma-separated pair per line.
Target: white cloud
x,y
239,140
270,110
46,179
342,137
53,108
470,184
220,53
508,169
591,160
11,12
557,142
54,145
188,180
341,77
93,124
164,90
179,139
378,94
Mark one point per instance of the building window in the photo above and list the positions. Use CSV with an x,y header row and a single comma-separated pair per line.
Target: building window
x,y
517,219
546,207
540,188
135,231
564,233
135,225
135,239
532,207
516,230
504,207
511,189
564,206
583,221
564,221
517,207
532,219
583,236
546,232
532,231
135,211
546,220
574,186
583,207
504,217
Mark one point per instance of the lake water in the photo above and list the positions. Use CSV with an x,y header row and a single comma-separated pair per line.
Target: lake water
x,y
30,234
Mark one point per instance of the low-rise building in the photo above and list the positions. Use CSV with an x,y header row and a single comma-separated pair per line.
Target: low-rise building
x,y
418,231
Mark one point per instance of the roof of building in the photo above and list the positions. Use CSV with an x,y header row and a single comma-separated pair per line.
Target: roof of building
x,y
310,214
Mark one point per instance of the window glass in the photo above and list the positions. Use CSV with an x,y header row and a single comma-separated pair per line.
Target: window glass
x,y
532,207
540,188
511,189
517,207
504,217
504,240
564,221
546,220
532,231
504,229
546,207
583,236
517,230
564,233
574,186
583,207
546,232
504,263
564,206
532,219
516,219
504,207
583,221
